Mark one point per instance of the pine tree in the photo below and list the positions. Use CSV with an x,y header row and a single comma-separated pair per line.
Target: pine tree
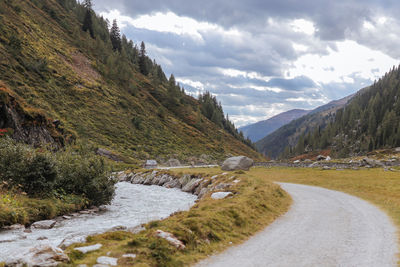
x,y
115,36
87,21
142,60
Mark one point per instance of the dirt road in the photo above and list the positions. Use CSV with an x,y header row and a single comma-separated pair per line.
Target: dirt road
x,y
322,228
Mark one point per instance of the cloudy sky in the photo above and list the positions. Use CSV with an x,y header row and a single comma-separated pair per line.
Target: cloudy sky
x,y
263,57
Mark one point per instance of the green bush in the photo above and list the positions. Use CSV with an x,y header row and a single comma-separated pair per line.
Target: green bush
x,y
42,173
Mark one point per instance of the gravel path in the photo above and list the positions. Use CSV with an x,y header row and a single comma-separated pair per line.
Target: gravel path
x,y
322,228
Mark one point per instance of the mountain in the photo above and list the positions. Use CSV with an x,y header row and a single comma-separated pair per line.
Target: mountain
x,y
370,121
274,144
258,130
66,80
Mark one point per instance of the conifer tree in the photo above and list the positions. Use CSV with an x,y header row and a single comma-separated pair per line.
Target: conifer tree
x,y
87,21
142,60
115,36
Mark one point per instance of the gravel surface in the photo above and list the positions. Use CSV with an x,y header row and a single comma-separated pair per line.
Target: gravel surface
x,y
322,228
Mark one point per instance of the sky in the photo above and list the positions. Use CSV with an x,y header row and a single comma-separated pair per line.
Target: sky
x,y
264,57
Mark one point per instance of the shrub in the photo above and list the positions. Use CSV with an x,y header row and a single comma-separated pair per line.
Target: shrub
x,y
84,173
40,173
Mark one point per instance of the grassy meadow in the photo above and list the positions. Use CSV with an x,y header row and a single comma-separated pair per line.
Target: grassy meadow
x,y
210,226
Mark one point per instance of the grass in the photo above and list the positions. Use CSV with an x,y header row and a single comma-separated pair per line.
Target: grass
x,y
19,208
210,226
58,69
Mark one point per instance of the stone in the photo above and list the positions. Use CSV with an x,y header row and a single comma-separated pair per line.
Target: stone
x,y
203,192
321,157
149,178
132,256
221,195
326,168
222,186
185,179
43,255
42,238
372,162
328,158
87,249
170,238
150,164
296,161
164,179
397,149
173,163
173,184
66,217
107,261
191,186
237,163
46,224
236,181
14,227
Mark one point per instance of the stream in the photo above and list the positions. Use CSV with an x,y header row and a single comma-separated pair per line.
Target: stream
x,y
133,205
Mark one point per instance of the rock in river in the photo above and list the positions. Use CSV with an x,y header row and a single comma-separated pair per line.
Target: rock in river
x,y
47,224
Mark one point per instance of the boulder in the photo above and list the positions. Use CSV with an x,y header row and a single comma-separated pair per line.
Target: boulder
x,y
321,157
43,255
173,163
170,238
164,179
185,179
191,185
221,195
328,158
47,224
203,192
237,163
107,261
89,248
150,164
173,184
372,162
296,161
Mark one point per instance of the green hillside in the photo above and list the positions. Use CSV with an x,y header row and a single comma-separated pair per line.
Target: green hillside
x,y
106,93
279,141
370,121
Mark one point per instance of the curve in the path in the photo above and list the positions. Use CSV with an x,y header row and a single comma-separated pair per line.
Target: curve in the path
x,y
322,228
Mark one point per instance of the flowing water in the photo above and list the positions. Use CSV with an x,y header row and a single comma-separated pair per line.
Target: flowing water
x,y
132,206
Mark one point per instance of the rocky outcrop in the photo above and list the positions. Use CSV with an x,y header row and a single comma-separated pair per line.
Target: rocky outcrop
x,y
26,124
237,163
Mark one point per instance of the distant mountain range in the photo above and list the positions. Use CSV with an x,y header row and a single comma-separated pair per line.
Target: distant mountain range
x,y
288,135
258,130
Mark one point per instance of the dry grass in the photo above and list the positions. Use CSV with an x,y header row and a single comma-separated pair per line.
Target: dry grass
x,y
210,226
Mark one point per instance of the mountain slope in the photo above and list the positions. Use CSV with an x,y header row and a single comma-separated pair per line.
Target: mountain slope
x,y
258,130
275,143
98,93
370,121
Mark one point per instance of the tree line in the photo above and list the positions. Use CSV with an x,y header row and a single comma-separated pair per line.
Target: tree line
x,y
371,120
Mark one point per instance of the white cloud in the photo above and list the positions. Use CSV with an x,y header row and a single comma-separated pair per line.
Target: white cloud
x,y
350,59
303,26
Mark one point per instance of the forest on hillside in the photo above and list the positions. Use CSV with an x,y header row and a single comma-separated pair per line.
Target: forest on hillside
x,y
370,121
